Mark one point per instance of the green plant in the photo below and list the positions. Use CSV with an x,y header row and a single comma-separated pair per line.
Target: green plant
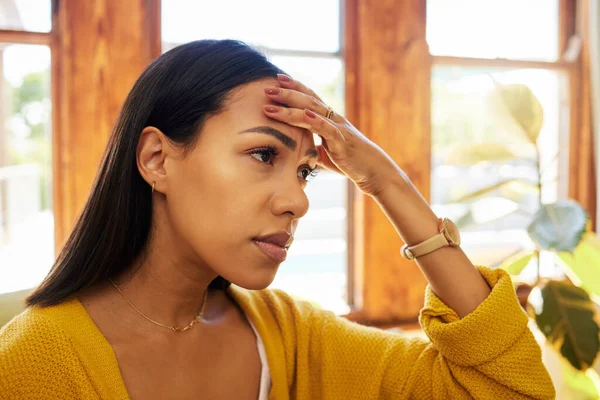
x,y
567,314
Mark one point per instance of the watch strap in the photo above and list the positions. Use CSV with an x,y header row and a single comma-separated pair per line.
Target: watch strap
x,y
430,245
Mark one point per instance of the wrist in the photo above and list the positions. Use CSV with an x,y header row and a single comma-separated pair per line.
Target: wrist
x,y
408,211
389,182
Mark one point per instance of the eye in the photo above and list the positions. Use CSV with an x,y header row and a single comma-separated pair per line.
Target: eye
x,y
265,155
307,173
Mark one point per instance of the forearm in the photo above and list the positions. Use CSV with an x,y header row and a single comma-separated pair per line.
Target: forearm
x,y
450,273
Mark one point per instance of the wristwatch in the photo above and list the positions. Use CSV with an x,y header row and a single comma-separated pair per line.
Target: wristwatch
x,y
448,236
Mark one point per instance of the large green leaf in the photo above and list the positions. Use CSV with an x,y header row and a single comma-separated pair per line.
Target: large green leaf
x,y
522,106
475,217
493,208
583,264
508,188
515,264
465,220
558,226
476,153
519,189
568,320
482,191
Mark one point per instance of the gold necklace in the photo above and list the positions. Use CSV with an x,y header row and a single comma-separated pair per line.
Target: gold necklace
x,y
197,319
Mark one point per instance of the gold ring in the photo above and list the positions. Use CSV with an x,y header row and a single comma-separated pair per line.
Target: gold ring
x,y
153,184
330,113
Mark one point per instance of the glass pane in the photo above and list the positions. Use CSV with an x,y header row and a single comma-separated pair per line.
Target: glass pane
x,y
494,224
26,15
310,25
513,29
26,219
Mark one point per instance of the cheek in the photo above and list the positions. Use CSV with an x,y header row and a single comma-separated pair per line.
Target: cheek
x,y
210,205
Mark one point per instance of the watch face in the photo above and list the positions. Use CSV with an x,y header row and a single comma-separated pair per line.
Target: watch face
x,y
452,233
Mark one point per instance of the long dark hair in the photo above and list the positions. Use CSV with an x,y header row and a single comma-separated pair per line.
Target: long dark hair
x,y
177,93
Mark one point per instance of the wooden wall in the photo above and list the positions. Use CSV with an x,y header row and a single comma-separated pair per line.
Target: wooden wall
x,y
582,168
99,48
388,71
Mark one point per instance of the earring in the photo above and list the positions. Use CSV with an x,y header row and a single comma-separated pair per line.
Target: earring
x,y
153,184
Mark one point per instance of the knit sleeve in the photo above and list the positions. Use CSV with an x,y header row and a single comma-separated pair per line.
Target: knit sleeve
x,y
37,361
488,354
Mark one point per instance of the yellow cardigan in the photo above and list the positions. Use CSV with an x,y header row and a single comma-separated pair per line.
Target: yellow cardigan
x,y
58,352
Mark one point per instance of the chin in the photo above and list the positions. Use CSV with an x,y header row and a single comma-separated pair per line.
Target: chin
x,y
255,281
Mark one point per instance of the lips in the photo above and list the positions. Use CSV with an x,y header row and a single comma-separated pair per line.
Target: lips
x,y
275,245
280,239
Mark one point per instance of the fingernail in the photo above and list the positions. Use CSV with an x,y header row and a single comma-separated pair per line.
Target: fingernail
x,y
284,78
272,90
310,113
271,109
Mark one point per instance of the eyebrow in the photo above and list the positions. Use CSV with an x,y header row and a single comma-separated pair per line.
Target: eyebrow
x,y
282,137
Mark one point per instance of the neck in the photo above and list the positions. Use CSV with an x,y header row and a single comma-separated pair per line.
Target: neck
x,y
166,288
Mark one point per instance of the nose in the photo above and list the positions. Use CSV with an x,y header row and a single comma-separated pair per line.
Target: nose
x,y
290,199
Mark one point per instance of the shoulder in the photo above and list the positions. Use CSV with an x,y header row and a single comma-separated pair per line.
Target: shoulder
x,y
275,305
33,350
30,326
278,298
275,300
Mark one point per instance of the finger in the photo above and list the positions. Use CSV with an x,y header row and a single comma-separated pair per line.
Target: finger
x,y
296,99
289,83
299,118
325,161
319,125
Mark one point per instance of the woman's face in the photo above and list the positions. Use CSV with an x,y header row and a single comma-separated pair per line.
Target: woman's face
x,y
243,181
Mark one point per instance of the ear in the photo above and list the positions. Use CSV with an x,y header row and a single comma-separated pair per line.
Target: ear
x,y
152,150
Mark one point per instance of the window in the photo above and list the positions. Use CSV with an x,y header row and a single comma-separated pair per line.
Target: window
x,y
464,71
316,267
26,212
511,29
25,15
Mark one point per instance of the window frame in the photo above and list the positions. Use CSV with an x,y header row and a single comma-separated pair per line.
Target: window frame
x,y
74,173
26,37
507,64
382,309
22,37
388,291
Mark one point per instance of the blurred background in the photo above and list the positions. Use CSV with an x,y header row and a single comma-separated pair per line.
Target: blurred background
x,y
416,76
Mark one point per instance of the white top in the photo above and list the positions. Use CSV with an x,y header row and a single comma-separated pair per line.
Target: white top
x,y
265,373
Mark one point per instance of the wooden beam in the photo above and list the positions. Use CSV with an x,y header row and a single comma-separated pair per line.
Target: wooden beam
x,y
22,37
99,49
566,23
388,69
582,171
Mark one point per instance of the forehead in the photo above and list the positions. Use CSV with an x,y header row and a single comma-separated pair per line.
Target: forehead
x,y
252,93
245,109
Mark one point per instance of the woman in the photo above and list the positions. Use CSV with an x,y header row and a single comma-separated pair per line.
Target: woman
x,y
202,184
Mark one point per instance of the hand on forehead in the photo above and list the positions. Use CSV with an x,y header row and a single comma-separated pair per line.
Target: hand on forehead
x,y
246,108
